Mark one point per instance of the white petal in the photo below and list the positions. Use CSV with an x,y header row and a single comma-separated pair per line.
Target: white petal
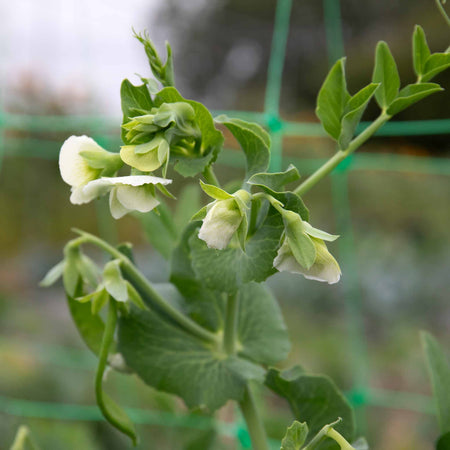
x,y
136,180
117,209
74,169
78,197
136,198
220,223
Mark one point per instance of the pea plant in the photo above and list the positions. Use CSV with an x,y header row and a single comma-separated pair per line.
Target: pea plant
x,y
214,332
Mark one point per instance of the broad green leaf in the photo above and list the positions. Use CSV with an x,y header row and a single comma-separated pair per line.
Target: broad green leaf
x,y
354,109
53,275
421,51
275,182
385,72
314,399
159,229
254,141
411,94
215,192
90,326
332,99
439,371
114,282
443,442
295,436
435,64
133,98
170,359
211,138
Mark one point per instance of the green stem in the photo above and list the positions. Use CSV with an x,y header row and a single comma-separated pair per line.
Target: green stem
x,y
108,337
210,176
330,432
23,437
333,434
326,168
143,285
231,324
443,12
253,421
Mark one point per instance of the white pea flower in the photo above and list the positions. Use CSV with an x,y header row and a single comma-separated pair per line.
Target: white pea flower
x,y
82,160
126,194
324,268
224,217
304,251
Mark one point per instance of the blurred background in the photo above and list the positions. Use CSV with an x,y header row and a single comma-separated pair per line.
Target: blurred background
x,y
61,65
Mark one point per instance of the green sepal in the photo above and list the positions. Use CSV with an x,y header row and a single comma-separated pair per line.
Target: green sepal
x,y
295,436
275,182
332,98
386,74
301,245
319,234
88,270
435,64
314,399
53,275
165,191
71,275
421,51
353,111
439,372
99,300
211,138
411,94
254,141
114,281
135,297
201,214
215,192
133,98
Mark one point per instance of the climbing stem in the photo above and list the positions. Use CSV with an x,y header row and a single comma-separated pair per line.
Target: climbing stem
x,y
108,337
253,421
326,168
444,14
146,289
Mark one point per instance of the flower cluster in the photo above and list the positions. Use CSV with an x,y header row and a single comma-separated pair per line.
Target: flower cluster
x,y
302,248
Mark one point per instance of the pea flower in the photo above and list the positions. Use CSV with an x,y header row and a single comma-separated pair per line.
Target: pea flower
x,y
82,160
304,251
224,217
126,194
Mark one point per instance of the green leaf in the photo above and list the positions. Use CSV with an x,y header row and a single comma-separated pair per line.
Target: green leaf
x,y
202,439
435,64
332,99
354,109
133,98
385,72
295,436
90,326
439,371
275,182
53,275
170,359
211,138
314,399
421,51
254,141
135,297
411,94
114,282
443,442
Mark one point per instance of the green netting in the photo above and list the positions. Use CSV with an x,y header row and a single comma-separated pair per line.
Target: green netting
x,y
362,393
